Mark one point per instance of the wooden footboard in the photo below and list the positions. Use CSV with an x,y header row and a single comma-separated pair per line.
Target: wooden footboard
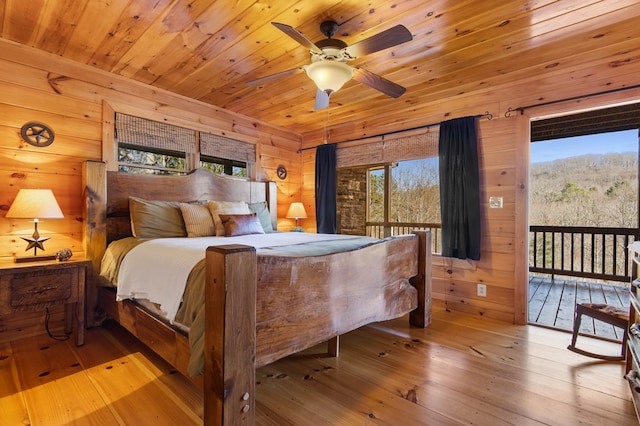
x,y
325,296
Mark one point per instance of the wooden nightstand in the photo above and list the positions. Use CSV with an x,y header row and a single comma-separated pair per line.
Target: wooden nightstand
x,y
36,285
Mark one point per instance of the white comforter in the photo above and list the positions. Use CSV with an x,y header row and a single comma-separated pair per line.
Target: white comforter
x,y
158,269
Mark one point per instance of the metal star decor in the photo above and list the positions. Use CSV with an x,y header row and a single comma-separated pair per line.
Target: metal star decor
x,y
35,242
37,134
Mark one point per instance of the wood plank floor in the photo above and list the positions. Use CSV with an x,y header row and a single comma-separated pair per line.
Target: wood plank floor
x,y
552,303
460,370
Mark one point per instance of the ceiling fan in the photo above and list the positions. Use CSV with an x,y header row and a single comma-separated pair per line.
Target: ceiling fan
x,y
329,57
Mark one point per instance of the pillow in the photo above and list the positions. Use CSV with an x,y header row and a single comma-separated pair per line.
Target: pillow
x,y
225,207
197,220
156,219
263,215
241,224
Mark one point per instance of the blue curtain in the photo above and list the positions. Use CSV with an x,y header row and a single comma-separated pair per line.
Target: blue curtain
x,y
459,188
326,189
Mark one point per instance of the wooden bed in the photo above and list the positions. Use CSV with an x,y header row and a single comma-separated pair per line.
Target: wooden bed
x,y
258,309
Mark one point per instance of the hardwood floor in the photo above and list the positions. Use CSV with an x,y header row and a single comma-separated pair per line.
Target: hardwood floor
x,y
460,370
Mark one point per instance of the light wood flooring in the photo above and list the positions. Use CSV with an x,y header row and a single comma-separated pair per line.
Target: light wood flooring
x,y
460,370
552,303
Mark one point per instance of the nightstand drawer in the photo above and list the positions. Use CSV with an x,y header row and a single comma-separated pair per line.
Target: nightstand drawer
x,y
24,291
36,289
39,285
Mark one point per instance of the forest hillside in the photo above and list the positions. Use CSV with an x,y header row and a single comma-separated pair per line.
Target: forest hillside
x,y
587,190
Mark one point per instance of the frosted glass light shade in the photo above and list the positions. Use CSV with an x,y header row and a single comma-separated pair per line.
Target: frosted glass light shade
x,y
35,204
329,76
296,211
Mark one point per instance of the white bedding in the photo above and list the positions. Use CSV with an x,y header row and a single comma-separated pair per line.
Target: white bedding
x,y
158,269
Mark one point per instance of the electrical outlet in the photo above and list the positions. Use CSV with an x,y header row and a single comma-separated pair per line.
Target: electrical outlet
x,y
482,290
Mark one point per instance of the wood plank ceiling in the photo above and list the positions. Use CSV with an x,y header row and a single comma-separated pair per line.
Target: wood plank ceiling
x,y
209,50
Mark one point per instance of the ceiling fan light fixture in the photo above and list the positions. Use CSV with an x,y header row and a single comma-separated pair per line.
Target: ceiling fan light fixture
x,y
329,76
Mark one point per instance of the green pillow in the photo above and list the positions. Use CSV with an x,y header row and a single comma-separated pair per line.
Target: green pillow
x,y
156,219
263,215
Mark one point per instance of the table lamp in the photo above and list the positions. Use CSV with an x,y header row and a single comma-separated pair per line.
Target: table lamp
x,y
35,204
296,211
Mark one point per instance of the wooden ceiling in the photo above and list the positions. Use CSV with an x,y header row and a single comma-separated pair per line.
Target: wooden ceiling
x,y
209,50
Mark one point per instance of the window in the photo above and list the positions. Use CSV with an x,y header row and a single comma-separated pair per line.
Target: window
x,y
221,166
402,185
147,146
409,199
415,192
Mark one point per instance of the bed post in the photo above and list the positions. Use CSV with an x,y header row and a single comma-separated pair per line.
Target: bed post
x,y
94,237
230,335
421,316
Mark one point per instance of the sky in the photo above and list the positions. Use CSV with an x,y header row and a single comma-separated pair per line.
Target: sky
x,y
604,143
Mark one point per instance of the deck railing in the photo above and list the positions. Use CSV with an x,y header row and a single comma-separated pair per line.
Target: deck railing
x,y
389,229
577,251
581,251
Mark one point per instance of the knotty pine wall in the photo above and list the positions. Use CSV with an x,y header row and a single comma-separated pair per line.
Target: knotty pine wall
x,y
504,169
72,99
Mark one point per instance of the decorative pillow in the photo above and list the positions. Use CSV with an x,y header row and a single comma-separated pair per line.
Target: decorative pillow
x,y
262,211
197,220
225,207
241,224
156,219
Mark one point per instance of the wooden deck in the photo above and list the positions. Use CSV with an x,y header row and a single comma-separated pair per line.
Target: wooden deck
x,y
552,303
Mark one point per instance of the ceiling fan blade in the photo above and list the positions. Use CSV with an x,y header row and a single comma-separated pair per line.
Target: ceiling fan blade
x,y
377,82
276,76
322,100
297,36
383,40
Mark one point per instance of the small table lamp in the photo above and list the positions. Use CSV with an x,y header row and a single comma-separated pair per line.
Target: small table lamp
x,y
297,211
35,204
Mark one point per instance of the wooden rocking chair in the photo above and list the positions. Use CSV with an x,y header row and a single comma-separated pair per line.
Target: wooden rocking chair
x,y
606,313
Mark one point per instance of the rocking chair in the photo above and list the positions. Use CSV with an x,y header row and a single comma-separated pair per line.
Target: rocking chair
x,y
606,313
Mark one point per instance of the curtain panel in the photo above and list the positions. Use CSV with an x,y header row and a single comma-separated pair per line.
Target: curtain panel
x,y
326,189
459,188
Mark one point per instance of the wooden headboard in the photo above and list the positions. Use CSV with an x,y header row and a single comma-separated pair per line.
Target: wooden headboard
x,y
199,185
106,195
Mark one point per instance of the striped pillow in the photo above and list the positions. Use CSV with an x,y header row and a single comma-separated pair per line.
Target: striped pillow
x,y
197,220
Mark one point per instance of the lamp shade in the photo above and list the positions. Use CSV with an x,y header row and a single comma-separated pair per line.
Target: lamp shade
x,y
329,76
35,204
296,211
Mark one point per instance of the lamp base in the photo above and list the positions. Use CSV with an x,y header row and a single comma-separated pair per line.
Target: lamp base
x,y
22,259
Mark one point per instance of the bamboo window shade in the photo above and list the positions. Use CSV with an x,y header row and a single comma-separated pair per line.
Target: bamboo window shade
x,y
136,131
398,147
131,130
227,148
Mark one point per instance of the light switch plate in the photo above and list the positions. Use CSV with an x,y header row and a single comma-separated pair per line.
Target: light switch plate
x,y
495,202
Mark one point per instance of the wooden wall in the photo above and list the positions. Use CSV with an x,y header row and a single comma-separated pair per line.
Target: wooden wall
x,y
72,99
504,170
36,86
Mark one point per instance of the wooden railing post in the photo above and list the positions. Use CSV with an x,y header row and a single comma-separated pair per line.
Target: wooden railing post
x,y
230,343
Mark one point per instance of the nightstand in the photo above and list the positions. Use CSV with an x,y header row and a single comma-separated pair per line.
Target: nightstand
x,y
35,286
